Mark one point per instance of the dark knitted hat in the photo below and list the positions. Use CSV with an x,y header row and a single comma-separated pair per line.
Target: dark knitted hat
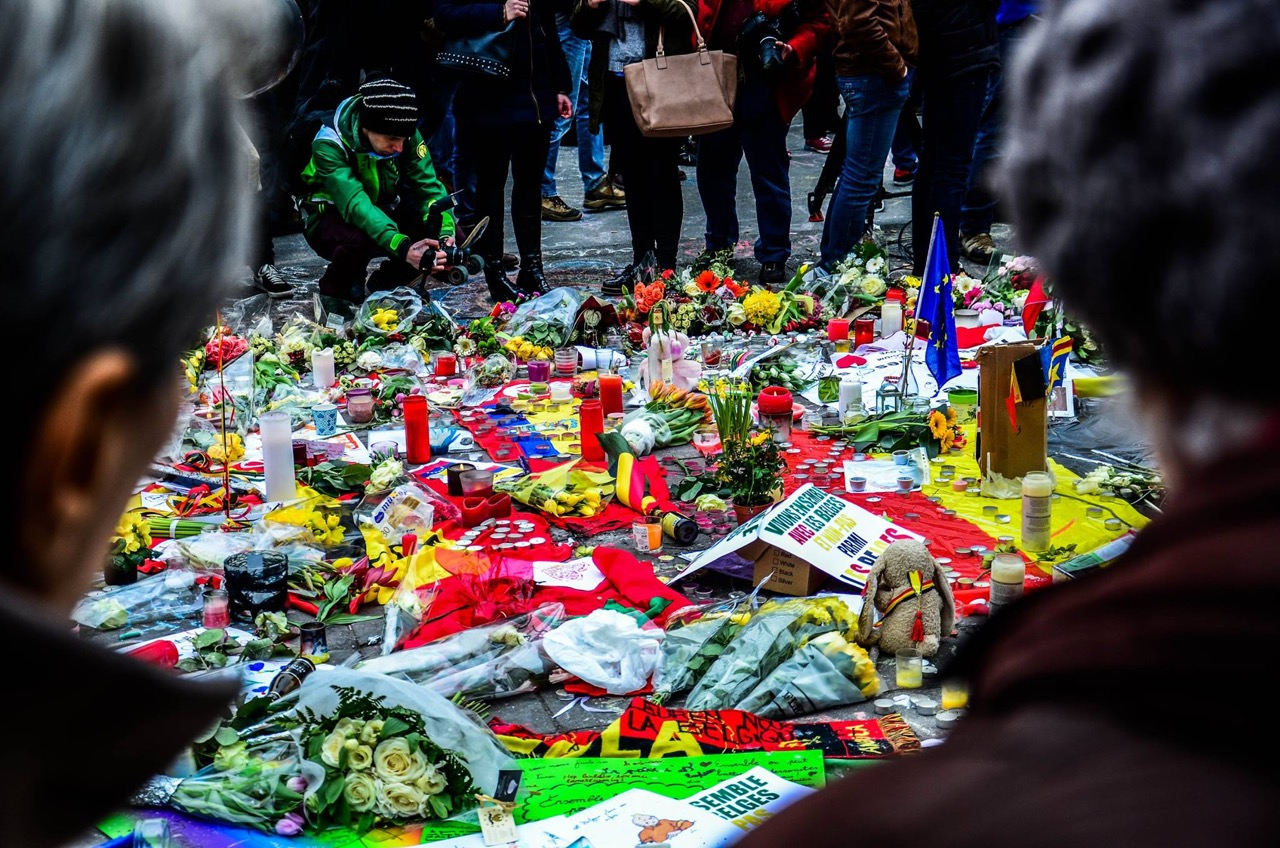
x,y
388,107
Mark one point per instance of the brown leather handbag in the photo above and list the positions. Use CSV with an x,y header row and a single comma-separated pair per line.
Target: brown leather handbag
x,y
677,96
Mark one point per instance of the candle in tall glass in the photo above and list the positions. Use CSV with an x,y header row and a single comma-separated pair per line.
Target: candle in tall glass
x,y
277,456
322,370
611,393
417,430
591,414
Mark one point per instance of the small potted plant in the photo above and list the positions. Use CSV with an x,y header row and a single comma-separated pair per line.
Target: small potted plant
x,y
130,547
751,469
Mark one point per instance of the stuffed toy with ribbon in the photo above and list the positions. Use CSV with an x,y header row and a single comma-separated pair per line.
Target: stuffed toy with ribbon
x,y
913,598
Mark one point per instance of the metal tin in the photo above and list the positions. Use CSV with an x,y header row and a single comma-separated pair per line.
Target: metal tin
x,y
537,540
884,706
948,719
925,706
313,643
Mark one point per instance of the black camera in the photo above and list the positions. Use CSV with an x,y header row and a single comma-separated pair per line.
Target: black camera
x,y
759,42
459,257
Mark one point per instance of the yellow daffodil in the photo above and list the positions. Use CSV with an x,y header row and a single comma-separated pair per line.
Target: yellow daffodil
x,y
227,449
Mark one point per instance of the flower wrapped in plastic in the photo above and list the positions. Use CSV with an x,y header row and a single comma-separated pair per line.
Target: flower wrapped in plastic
x,y
388,313
767,641
671,417
493,661
827,671
354,750
546,321
696,637
565,490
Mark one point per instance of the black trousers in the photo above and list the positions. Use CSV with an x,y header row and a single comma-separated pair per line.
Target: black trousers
x,y
349,251
521,149
821,113
650,170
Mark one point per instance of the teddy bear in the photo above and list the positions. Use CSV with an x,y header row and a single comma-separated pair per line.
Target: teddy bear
x,y
913,598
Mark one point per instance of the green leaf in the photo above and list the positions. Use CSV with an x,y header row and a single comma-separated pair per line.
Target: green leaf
x,y
393,727
348,618
226,736
208,639
331,791
414,740
438,806
314,747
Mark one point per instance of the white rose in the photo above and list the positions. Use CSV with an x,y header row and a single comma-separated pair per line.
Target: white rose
x,y
400,801
332,748
433,782
370,360
691,289
349,727
369,734
386,474
361,792
359,757
1020,300
874,286
737,315
394,761
850,277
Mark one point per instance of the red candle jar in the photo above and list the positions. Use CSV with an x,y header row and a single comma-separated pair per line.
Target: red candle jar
x,y
499,506
161,653
446,364
591,415
864,331
417,430
611,393
837,329
474,511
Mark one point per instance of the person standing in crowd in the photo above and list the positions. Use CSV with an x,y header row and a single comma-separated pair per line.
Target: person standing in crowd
x,y
875,45
504,123
125,111
907,136
959,54
821,114
599,192
777,43
1129,131
979,210
622,32
370,186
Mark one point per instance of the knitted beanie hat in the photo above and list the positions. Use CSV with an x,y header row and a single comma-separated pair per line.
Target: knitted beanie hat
x,y
389,108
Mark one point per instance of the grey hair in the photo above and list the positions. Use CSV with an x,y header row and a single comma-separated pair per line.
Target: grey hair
x,y
1141,166
124,200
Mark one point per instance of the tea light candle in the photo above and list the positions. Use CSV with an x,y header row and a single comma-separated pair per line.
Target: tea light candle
x,y
959,485
906,483
217,609
948,719
322,369
561,392
857,484
925,706
884,706
1114,524
277,456
359,406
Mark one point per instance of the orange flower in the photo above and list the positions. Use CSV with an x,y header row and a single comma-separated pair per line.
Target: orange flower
x,y
738,290
707,281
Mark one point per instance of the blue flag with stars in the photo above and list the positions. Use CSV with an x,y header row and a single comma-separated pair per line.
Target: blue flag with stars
x,y
937,306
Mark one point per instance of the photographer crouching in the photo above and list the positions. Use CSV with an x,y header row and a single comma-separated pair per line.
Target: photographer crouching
x,y
777,45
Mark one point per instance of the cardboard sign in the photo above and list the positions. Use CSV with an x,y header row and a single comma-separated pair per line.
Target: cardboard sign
x,y
1002,446
806,538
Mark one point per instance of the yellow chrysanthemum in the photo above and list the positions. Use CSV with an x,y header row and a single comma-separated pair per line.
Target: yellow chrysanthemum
x,y
761,306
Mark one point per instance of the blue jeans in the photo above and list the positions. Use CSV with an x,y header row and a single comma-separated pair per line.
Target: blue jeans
x,y
979,210
759,134
952,112
871,107
577,52
903,149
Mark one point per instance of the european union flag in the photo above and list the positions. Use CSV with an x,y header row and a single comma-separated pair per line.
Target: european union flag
x,y
937,306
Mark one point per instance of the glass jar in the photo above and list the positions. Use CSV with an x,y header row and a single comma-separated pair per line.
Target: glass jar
x,y
566,361
359,406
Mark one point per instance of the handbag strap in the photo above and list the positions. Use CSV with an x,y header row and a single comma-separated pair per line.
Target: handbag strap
x,y
702,44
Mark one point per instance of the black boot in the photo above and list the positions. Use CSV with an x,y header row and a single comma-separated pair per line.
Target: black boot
x,y
531,280
500,288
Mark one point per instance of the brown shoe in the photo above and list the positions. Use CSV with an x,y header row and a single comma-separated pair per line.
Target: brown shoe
x,y
555,209
978,248
604,196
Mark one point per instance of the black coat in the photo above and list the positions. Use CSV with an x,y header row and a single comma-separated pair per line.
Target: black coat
x,y
956,37
538,68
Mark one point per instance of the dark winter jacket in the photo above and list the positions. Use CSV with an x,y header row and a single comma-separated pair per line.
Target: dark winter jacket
x,y
957,37
1089,722
538,68
674,14
873,37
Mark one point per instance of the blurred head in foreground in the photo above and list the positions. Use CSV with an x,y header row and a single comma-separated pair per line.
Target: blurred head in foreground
x,y
123,200
1141,164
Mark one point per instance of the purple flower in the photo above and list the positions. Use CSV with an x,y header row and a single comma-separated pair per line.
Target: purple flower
x,y
288,827
297,783
400,397
295,817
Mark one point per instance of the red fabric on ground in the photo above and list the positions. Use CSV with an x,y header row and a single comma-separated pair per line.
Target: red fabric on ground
x,y
507,589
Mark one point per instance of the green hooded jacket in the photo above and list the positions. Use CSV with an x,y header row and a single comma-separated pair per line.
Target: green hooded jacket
x,y
346,175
